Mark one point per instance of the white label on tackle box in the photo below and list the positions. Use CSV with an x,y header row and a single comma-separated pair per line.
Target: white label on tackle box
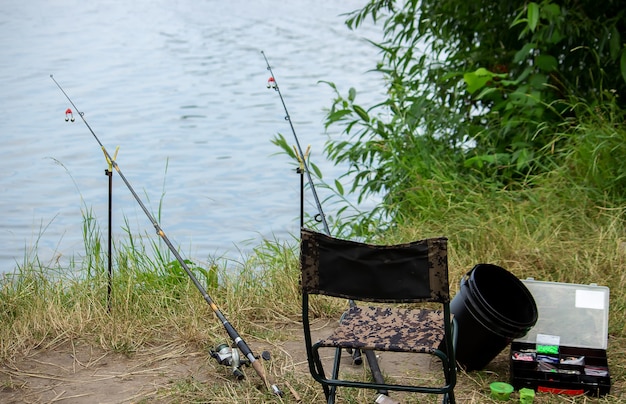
x,y
589,299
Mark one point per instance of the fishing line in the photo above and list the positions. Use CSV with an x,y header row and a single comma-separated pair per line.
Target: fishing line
x,y
272,83
232,333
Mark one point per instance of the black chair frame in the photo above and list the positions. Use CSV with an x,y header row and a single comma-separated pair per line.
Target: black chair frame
x,y
414,272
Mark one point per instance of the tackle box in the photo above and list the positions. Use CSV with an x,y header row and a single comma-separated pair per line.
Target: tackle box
x,y
565,352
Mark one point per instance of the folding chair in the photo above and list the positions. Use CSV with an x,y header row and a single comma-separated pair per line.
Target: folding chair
x,y
415,272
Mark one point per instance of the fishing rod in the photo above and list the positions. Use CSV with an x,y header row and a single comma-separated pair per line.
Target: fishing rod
x,y
272,83
302,157
232,333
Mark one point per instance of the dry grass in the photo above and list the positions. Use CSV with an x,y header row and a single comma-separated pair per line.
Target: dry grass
x,y
156,317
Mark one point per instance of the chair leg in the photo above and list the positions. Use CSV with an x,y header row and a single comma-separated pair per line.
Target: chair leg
x,y
372,362
448,368
335,376
449,373
448,398
319,368
357,359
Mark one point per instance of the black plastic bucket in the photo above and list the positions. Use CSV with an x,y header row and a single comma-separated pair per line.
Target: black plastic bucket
x,y
492,308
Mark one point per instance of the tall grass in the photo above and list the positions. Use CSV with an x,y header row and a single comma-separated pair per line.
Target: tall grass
x,y
533,233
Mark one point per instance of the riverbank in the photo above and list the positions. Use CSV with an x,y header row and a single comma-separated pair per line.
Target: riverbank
x,y
59,342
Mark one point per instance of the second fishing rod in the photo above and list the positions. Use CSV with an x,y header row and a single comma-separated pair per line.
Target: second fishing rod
x,y
302,157
232,333
272,83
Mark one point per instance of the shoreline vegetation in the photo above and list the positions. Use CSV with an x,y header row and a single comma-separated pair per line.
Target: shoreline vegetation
x,y
548,233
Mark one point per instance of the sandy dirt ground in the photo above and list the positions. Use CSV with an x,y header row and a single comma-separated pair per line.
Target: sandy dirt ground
x,y
80,373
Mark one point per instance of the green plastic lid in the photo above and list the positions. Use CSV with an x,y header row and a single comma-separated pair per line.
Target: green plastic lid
x,y
501,388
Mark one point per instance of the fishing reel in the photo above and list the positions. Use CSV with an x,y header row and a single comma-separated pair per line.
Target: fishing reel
x,y
232,357
227,356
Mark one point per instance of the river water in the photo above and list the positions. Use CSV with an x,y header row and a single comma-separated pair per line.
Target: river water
x,y
180,87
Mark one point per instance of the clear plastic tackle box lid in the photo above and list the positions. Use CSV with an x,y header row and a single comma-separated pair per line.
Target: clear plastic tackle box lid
x,y
569,314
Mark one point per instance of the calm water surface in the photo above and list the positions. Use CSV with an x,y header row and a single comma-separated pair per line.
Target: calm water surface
x,y
180,86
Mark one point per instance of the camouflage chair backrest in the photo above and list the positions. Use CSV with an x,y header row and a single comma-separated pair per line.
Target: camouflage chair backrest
x,y
410,272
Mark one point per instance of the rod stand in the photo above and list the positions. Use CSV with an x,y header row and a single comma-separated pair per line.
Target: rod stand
x,y
109,173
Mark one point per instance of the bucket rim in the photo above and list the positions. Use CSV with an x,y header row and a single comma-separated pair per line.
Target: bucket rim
x,y
503,329
469,280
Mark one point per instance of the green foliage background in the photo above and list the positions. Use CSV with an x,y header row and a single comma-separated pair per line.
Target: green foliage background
x,y
491,94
